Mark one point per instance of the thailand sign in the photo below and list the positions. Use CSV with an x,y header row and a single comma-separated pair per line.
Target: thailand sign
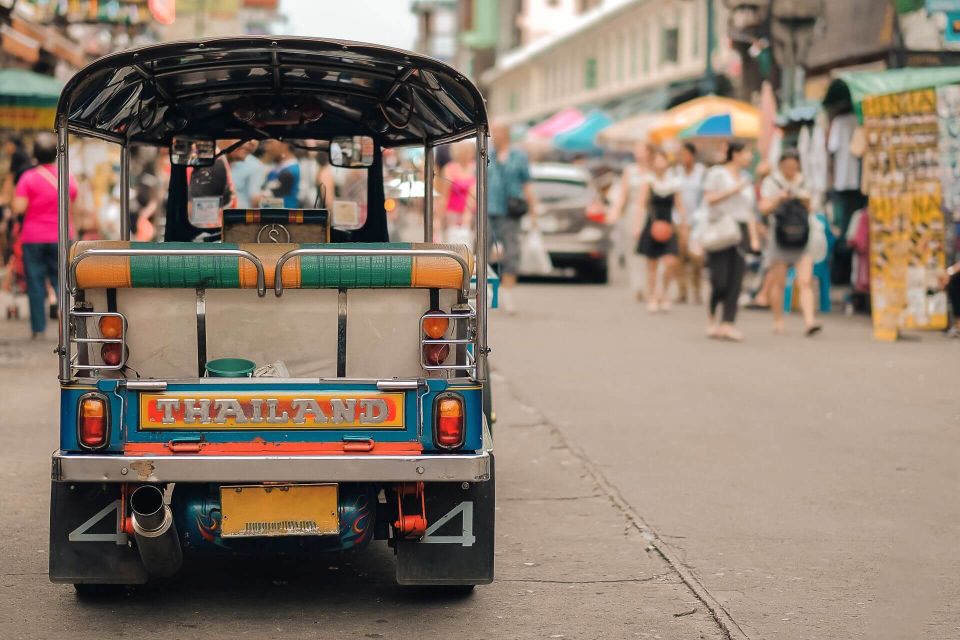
x,y
263,411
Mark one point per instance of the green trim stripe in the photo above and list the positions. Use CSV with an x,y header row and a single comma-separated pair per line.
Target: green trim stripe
x,y
356,272
215,272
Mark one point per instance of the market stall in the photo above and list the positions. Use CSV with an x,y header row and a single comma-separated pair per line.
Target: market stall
x,y
909,145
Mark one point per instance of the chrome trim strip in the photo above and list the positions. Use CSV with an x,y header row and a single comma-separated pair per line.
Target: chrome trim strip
x,y
239,253
125,192
398,385
357,253
428,170
64,297
146,385
481,253
474,467
201,332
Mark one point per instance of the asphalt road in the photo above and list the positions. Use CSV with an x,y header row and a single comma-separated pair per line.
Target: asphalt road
x,y
810,486
570,563
651,484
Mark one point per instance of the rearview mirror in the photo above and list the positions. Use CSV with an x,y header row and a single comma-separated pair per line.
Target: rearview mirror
x,y
192,152
352,152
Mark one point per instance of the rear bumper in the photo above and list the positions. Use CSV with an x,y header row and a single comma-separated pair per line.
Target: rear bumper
x,y
332,468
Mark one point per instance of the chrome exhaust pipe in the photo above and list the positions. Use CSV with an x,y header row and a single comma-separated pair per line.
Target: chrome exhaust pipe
x,y
155,532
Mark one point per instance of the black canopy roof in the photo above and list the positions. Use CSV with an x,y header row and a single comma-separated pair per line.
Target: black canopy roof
x,y
278,87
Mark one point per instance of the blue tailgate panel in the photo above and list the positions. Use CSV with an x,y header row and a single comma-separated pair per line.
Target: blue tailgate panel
x,y
417,410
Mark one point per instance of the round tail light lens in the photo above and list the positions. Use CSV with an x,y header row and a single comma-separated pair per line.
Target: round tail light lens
x,y
435,328
111,354
436,354
111,326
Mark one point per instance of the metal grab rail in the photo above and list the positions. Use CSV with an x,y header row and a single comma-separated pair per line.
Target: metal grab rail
x,y
238,253
400,253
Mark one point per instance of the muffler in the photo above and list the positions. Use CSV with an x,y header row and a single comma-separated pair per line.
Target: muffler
x,y
155,532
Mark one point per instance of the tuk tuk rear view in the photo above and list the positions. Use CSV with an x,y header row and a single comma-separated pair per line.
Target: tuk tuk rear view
x,y
274,380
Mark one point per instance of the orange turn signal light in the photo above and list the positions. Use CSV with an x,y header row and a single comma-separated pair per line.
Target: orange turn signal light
x,y
435,327
111,326
92,421
449,421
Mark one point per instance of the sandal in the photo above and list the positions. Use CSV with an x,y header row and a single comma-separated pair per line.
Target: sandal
x,y
814,330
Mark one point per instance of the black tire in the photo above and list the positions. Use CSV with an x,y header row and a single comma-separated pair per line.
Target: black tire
x,y
597,273
99,591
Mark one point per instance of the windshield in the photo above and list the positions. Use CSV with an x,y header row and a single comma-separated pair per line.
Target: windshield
x,y
554,191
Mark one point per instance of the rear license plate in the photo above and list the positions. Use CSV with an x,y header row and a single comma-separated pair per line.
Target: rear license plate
x,y
251,511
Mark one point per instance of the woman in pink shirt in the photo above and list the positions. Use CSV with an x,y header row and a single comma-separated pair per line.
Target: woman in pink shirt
x,y
36,198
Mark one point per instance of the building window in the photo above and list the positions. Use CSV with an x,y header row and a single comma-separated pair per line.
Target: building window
x,y
645,49
695,33
590,74
670,45
514,101
621,64
634,38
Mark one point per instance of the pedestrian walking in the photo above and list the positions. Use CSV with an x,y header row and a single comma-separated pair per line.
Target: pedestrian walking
x,y
35,198
624,213
689,270
950,281
457,188
248,171
659,199
785,202
510,197
729,195
326,182
283,177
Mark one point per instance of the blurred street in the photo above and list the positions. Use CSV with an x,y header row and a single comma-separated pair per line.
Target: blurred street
x,y
804,486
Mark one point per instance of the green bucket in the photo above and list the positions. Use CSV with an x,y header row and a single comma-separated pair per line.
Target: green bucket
x,y
230,368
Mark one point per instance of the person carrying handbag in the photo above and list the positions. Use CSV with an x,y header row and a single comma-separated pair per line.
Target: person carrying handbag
x,y
658,242
510,197
730,230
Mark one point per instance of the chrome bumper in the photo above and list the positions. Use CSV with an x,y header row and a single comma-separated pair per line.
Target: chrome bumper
x,y
338,468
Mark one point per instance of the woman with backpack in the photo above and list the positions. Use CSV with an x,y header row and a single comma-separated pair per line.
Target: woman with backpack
x,y
785,201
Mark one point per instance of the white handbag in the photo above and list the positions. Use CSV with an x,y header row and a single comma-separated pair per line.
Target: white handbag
x,y
720,234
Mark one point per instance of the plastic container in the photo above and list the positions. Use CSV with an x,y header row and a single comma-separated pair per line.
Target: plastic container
x,y
230,368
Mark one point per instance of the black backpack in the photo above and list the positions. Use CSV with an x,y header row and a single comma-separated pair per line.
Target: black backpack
x,y
792,228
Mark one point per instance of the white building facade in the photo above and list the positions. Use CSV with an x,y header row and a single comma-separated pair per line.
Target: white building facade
x,y
618,49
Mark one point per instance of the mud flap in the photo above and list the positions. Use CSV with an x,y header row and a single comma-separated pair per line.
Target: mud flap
x,y
86,544
458,546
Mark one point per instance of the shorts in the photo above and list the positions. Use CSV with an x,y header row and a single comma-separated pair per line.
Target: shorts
x,y
506,231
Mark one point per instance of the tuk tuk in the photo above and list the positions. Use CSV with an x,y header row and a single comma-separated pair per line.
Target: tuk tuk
x,y
274,380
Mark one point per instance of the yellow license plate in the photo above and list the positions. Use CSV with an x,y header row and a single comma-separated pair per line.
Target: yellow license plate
x,y
251,511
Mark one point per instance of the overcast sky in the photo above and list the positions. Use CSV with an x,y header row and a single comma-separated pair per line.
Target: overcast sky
x,y
387,22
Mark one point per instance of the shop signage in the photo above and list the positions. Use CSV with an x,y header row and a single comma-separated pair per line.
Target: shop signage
x,y
902,170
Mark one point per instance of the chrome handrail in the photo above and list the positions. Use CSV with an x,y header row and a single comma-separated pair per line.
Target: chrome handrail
x,y
239,253
427,253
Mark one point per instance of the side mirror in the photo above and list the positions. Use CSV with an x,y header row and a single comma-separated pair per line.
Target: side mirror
x,y
188,151
354,152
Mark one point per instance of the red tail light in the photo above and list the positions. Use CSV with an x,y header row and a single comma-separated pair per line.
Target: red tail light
x,y
111,353
435,354
448,417
92,419
596,213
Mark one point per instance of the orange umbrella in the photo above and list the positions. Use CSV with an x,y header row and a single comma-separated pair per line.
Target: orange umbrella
x,y
690,113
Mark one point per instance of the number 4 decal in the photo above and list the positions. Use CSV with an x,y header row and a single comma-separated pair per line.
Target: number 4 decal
x,y
466,537
80,533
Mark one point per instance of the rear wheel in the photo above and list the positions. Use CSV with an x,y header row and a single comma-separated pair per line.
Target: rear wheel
x,y
596,272
98,591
